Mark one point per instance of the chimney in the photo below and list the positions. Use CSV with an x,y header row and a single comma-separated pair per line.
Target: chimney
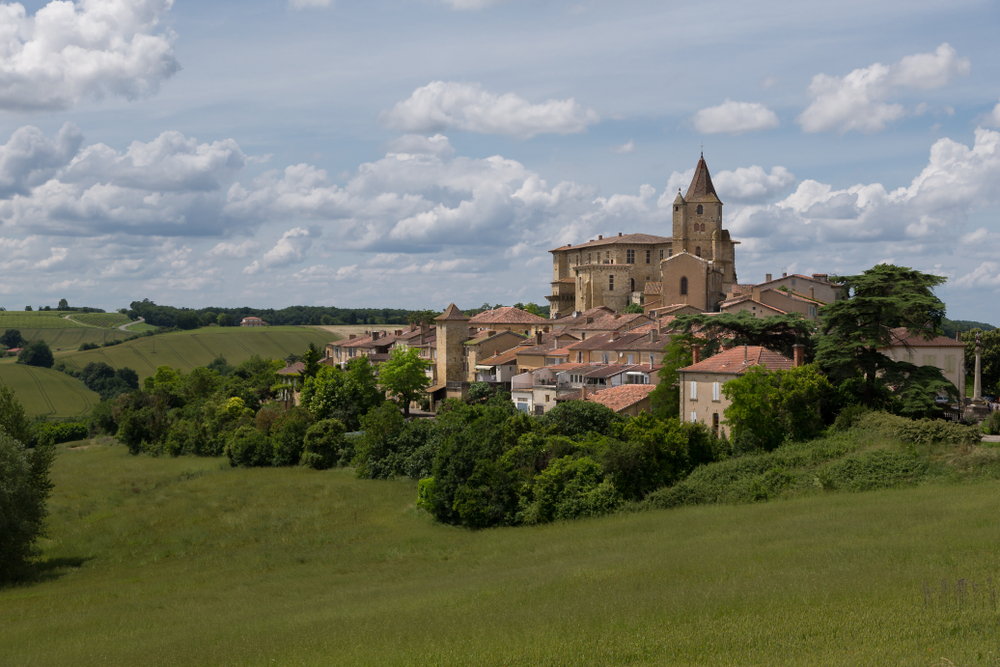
x,y
799,351
538,338
619,233
399,332
599,237
784,274
413,326
352,336
584,390
590,320
812,292
652,336
727,344
695,354
767,278
423,329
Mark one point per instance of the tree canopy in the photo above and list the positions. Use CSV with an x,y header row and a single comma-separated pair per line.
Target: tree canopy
x,y
37,354
404,376
778,332
855,329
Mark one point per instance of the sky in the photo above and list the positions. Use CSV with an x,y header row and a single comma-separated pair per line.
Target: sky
x,y
412,153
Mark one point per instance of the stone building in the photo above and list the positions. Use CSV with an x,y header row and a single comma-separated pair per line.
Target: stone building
x,y
695,266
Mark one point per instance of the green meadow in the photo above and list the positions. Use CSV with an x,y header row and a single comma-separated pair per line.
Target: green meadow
x,y
71,339
43,319
189,349
186,561
106,320
47,393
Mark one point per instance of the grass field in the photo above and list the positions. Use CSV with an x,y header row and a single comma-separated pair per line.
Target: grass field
x,y
72,339
189,349
35,320
47,393
106,320
189,562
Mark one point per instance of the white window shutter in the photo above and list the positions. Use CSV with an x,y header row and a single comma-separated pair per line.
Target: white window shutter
x,y
694,390
694,417
715,391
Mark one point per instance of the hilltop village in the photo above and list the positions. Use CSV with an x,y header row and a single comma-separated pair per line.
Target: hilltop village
x,y
611,304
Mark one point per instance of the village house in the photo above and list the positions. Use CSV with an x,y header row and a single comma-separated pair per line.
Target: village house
x,y
508,318
624,399
290,379
374,344
486,344
701,397
941,352
252,322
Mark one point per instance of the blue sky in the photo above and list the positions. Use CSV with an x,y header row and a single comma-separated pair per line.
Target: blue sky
x,y
413,153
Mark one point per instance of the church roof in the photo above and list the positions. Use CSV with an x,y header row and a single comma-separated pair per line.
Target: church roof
x,y
701,188
451,313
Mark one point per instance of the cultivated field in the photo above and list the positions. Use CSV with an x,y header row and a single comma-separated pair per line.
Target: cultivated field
x,y
106,320
189,349
35,320
189,562
47,393
72,339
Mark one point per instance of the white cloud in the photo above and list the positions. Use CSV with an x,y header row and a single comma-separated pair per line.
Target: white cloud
x,y
986,274
232,250
442,105
417,144
470,4
624,149
87,49
735,118
290,249
29,158
309,4
992,119
752,184
859,100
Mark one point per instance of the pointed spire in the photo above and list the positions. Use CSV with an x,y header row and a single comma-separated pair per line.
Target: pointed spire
x,y
701,185
451,313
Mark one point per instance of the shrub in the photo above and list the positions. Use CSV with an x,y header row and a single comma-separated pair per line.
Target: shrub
x,y
247,447
37,354
55,434
13,421
323,444
922,432
378,455
575,418
849,416
878,469
991,425
88,346
24,489
288,433
569,488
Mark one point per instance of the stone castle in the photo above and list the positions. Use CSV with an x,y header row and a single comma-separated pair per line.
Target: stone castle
x,y
695,266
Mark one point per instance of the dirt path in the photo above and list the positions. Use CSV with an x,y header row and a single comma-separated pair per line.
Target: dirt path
x,y
125,327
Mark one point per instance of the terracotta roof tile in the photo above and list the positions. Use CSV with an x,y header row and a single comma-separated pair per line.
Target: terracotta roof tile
x,y
451,313
625,239
737,360
621,397
653,288
507,315
292,369
902,338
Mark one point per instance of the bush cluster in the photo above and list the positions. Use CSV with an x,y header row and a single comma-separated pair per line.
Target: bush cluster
x,y
108,382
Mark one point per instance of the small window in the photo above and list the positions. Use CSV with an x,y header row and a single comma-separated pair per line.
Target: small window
x,y
715,423
588,258
949,363
611,283
677,208
631,358
648,253
697,251
701,209
670,253
630,256
661,254
631,284
694,417
694,390
684,286
604,358
716,391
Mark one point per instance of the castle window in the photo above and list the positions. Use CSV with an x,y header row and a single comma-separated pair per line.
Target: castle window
x,y
631,284
684,286
611,283
670,253
648,253
630,256
607,256
661,254
588,258
677,208
697,251
701,209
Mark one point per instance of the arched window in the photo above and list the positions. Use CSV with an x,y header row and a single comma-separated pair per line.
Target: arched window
x,y
631,284
697,251
684,286
703,226
701,209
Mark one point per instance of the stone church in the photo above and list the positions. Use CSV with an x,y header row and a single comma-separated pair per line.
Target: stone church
x,y
695,266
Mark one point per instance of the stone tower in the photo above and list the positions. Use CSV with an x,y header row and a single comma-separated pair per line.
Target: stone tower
x,y
698,224
452,332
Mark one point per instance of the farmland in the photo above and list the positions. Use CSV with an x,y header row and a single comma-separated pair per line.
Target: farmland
x,y
161,561
48,393
106,320
188,349
35,320
73,338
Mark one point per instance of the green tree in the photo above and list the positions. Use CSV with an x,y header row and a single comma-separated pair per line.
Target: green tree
x,y
665,400
13,421
225,320
11,338
989,360
27,309
376,456
855,329
37,354
323,444
404,376
344,395
768,406
634,308
311,359
421,317
533,309
63,304
24,489
778,333
187,319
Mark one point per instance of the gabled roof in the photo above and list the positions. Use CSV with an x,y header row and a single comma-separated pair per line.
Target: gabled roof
x,y
621,239
741,299
508,357
506,315
617,398
451,313
701,188
739,359
902,338
292,369
653,288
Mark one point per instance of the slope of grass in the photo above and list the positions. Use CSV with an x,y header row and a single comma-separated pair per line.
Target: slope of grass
x,y
189,349
189,562
44,319
105,320
47,393
72,339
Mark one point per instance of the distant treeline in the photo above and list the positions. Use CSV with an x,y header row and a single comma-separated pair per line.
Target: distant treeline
x,y
951,327
187,318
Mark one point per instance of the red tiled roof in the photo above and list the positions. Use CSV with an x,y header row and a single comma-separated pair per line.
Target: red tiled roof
x,y
621,397
902,338
733,302
654,288
506,315
737,360
701,188
292,369
508,357
451,313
